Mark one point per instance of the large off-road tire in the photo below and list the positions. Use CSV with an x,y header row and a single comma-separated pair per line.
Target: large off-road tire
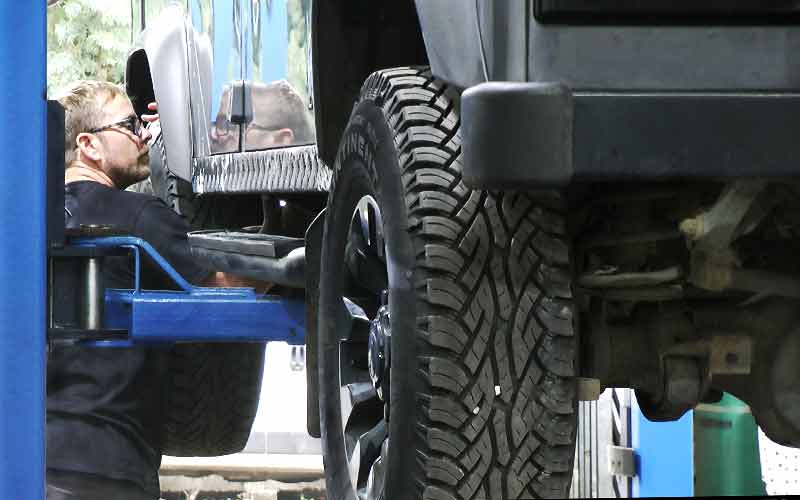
x,y
213,398
213,388
479,321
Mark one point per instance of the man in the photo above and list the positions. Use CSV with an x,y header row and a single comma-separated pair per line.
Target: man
x,y
104,404
279,118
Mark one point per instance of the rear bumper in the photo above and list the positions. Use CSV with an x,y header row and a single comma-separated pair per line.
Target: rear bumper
x,y
534,135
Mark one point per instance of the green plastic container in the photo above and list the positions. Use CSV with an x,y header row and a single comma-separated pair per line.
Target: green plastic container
x,y
726,458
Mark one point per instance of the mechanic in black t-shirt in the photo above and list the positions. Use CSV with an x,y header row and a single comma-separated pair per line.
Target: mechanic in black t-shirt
x,y
104,404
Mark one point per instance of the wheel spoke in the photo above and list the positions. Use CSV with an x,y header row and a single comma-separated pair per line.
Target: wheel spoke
x,y
354,464
377,474
365,253
352,398
352,322
366,270
371,224
367,452
354,335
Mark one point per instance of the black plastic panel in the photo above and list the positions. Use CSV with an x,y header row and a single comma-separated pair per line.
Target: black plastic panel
x,y
139,82
529,136
685,136
55,174
277,259
264,245
666,10
313,247
513,131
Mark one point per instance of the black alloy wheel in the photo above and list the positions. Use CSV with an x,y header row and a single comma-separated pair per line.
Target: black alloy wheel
x,y
358,347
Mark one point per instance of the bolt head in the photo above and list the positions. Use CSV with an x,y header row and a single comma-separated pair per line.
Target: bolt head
x,y
692,228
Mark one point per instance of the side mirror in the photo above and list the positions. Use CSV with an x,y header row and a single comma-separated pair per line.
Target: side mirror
x,y
240,105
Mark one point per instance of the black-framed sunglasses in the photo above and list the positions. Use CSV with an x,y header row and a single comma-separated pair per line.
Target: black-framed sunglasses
x,y
131,123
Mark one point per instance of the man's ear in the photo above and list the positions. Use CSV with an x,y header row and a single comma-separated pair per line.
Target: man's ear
x,y
284,136
89,146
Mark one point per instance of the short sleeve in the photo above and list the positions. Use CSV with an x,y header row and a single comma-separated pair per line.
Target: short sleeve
x,y
167,232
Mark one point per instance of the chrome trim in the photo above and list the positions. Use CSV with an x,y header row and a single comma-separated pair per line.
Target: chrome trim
x,y
286,170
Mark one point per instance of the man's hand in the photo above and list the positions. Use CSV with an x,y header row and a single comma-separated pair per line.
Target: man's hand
x,y
228,280
154,117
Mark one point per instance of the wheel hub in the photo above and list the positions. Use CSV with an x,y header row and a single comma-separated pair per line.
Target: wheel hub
x,y
379,349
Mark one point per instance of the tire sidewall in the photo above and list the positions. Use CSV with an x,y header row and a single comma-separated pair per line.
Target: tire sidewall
x,y
225,368
367,163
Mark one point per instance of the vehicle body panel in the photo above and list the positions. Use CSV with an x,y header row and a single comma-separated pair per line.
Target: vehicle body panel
x,y
511,45
472,42
664,58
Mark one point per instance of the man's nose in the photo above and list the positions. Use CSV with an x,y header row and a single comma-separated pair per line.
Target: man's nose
x,y
146,135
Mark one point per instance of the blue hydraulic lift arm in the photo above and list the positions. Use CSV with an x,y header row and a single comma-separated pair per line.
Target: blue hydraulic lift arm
x,y
23,248
196,314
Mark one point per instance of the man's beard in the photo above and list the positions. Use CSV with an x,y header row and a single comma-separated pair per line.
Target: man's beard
x,y
129,175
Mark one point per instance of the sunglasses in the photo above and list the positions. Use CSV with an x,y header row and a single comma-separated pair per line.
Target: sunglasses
x,y
131,123
223,127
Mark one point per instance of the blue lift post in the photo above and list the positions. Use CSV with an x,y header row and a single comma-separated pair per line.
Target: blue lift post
x,y
664,456
23,249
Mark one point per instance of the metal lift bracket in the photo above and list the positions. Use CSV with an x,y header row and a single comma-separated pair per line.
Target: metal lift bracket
x,y
192,314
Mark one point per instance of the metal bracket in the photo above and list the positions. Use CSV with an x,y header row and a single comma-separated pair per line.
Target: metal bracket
x,y
588,389
621,461
726,354
730,355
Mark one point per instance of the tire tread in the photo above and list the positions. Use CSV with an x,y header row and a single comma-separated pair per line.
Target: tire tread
x,y
496,321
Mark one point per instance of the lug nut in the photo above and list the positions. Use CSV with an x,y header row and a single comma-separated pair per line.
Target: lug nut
x,y
692,228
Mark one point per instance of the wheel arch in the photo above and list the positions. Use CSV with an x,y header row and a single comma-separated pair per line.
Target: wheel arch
x,y
351,40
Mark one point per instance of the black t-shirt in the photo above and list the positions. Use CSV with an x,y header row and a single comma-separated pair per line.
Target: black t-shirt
x,y
104,404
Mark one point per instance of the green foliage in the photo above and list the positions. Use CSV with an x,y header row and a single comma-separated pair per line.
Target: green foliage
x,y
299,42
87,39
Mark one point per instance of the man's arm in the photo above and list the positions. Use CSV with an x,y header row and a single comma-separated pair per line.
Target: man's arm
x,y
228,280
215,279
166,231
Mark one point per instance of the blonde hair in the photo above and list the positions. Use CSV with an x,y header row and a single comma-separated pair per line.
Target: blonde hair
x,y
83,104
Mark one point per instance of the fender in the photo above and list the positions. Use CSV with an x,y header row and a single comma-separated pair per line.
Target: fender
x,y
470,42
351,39
174,63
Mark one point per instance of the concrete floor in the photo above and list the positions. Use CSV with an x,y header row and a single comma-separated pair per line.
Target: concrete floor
x,y
217,488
